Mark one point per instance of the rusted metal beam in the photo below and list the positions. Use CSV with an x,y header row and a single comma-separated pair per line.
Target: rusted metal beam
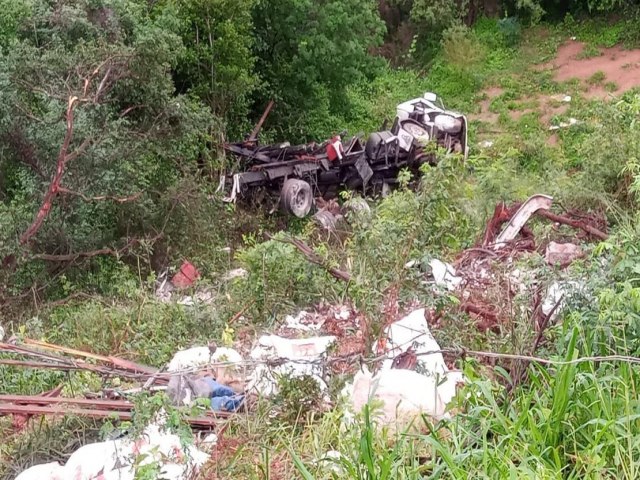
x,y
32,364
118,362
41,400
5,409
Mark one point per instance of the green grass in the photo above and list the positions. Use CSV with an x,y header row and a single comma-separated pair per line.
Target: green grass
x,y
611,86
597,78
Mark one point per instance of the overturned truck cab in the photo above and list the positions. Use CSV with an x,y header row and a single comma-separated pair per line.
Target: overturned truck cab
x,y
298,173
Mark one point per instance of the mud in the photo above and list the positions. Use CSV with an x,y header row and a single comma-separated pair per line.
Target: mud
x,y
618,65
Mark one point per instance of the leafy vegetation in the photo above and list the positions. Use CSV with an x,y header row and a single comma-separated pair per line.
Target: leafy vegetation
x,y
145,94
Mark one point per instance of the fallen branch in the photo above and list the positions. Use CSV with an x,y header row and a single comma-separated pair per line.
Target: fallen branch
x,y
61,163
314,258
241,312
490,319
591,230
70,257
130,198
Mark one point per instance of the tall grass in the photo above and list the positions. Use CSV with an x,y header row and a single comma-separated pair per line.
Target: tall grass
x,y
577,421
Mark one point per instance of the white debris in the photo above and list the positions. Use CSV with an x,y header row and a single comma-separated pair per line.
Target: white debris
x,y
557,293
295,323
344,313
486,144
521,217
403,395
46,471
444,274
209,441
331,462
204,297
200,356
164,291
303,355
572,121
567,98
413,332
236,273
119,459
407,393
90,460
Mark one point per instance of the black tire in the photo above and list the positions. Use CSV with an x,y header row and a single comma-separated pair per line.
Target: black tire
x,y
296,197
373,143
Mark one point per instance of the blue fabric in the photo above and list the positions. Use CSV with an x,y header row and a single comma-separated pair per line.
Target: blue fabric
x,y
223,398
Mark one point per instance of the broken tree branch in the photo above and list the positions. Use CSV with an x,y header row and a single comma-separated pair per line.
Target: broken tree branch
x,y
314,258
591,230
490,319
70,257
63,158
256,131
129,198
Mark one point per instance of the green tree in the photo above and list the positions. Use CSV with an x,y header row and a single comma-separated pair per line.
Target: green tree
x,y
217,62
95,141
308,52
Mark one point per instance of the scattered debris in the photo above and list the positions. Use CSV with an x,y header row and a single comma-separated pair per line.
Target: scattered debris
x,y
295,357
424,388
236,273
562,254
204,297
489,277
572,121
444,274
486,144
186,276
302,322
521,217
121,458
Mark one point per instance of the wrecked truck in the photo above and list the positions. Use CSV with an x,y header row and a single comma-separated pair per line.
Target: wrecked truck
x,y
296,174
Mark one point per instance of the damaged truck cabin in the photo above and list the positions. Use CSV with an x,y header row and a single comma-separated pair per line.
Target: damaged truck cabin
x,y
298,173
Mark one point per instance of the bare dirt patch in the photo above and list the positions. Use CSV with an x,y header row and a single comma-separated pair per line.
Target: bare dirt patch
x,y
618,65
485,115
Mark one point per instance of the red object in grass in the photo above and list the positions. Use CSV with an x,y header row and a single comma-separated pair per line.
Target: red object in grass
x,y
186,276
335,149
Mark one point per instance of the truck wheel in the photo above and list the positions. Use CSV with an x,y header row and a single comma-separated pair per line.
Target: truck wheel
x,y
296,197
